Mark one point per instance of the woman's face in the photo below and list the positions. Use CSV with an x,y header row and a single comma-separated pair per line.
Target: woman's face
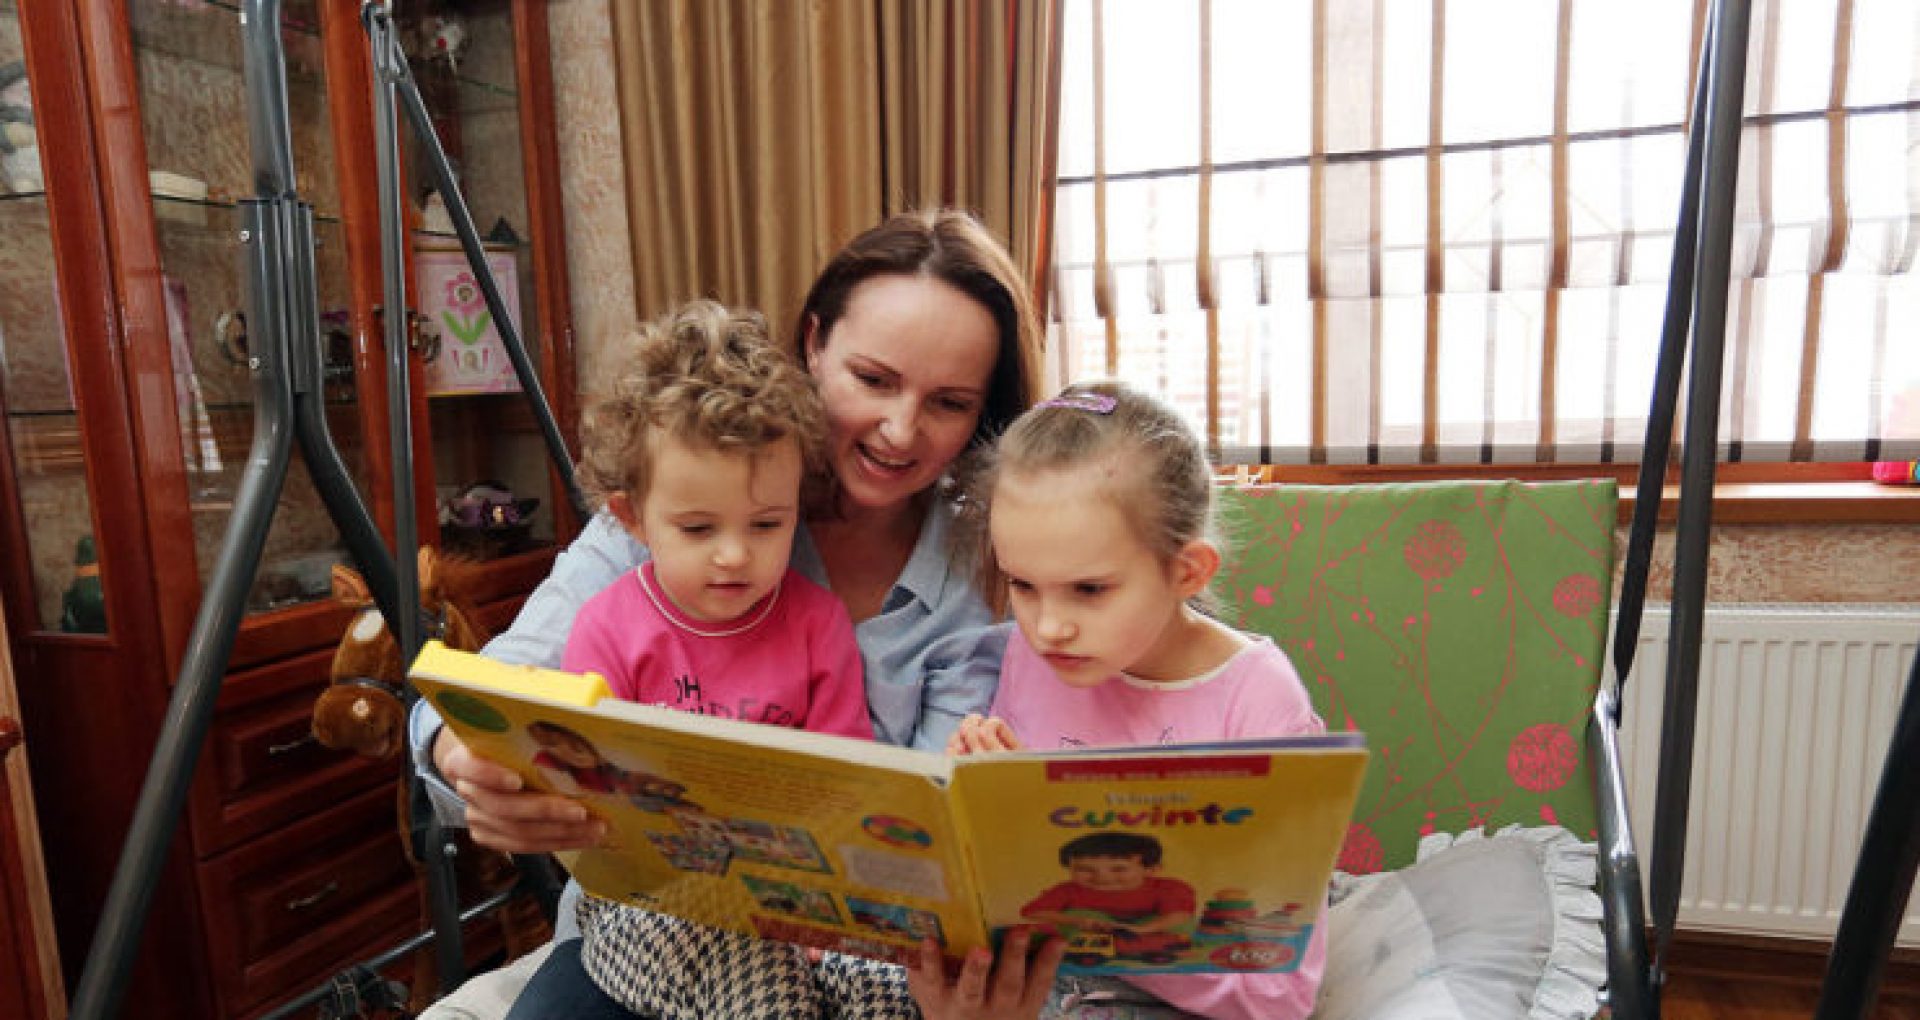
x,y
904,376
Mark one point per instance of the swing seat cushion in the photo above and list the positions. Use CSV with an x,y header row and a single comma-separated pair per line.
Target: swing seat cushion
x,y
1459,625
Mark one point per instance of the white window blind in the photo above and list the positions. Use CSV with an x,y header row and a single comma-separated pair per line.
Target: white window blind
x,y
1402,231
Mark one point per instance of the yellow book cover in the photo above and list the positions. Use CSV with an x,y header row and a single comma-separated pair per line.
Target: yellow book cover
x,y
1168,859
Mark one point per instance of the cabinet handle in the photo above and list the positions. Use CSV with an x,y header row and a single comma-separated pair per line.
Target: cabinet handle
x,y
10,735
276,750
297,905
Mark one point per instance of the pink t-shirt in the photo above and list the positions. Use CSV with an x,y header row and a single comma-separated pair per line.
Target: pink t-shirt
x,y
789,661
1254,694
1155,897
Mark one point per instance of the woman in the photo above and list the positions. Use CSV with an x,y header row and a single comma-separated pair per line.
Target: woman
x,y
922,339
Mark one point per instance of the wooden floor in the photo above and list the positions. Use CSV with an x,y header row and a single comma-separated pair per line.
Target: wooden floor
x,y
1712,979
1698,997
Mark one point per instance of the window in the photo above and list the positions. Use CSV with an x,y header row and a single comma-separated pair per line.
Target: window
x,y
1406,231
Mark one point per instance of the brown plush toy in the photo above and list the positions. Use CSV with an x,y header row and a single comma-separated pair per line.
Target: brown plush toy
x,y
362,711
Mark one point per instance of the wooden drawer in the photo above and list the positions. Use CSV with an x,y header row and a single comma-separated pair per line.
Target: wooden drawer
x,y
288,910
261,767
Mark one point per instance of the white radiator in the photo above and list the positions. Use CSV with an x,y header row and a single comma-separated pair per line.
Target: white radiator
x,y
1797,705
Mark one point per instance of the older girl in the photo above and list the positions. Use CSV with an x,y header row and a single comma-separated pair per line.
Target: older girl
x,y
1098,512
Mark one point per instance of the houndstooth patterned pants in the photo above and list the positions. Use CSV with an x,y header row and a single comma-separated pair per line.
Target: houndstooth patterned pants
x,y
663,967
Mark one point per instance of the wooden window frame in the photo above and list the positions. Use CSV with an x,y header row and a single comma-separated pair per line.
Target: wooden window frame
x,y
1743,493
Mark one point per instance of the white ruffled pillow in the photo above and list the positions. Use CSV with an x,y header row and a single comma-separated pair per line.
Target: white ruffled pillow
x,y
1501,927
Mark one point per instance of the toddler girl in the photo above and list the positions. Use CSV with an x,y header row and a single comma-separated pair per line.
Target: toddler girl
x,y
1098,511
700,452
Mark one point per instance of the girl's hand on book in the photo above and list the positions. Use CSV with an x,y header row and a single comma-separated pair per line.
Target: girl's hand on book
x,y
982,733
1009,988
503,814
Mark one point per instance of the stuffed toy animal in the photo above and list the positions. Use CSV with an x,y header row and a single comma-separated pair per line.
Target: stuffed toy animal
x,y
363,710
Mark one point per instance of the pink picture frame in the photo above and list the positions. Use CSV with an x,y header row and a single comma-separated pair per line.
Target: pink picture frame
x,y
471,357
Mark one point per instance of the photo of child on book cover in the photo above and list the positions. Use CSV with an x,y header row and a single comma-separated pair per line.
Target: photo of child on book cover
x,y
574,766
1114,890
571,761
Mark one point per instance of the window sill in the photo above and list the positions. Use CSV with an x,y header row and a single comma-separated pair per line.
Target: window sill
x,y
1840,502
1742,493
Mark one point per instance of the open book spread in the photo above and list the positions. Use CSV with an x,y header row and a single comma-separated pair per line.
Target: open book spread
x,y
1184,858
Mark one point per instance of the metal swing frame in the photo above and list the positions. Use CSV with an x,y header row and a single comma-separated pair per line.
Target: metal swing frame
x,y
1697,307
286,359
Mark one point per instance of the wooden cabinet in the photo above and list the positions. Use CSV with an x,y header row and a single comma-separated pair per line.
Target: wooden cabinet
x,y
126,410
30,986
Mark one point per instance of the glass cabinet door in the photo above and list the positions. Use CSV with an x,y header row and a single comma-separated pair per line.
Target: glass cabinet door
x,y
36,382
490,467
194,115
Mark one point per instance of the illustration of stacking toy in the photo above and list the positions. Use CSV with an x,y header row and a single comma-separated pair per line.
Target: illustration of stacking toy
x,y
1245,939
1224,916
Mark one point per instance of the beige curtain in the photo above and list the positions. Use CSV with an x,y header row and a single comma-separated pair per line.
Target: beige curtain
x,y
759,135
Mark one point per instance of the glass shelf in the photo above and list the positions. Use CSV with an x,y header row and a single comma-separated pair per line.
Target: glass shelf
x,y
174,201
209,34
190,64
160,200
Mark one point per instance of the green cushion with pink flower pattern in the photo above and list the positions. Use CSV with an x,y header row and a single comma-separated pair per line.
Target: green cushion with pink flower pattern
x,y
1459,625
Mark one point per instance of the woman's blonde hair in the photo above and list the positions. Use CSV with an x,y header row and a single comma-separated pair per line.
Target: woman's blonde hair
x,y
707,376
1149,464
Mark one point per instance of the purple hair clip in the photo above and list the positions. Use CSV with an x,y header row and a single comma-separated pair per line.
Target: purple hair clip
x,y
1098,403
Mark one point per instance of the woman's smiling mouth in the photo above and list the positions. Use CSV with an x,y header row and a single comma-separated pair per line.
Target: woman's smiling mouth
x,y
888,465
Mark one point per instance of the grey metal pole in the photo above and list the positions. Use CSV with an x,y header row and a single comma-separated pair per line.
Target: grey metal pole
x,y
1882,877
463,227
433,848
386,152
324,464
1666,385
1631,991
265,70
1633,985
1695,519
164,792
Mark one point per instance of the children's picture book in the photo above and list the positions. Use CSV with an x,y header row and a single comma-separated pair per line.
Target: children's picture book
x,y
1201,858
